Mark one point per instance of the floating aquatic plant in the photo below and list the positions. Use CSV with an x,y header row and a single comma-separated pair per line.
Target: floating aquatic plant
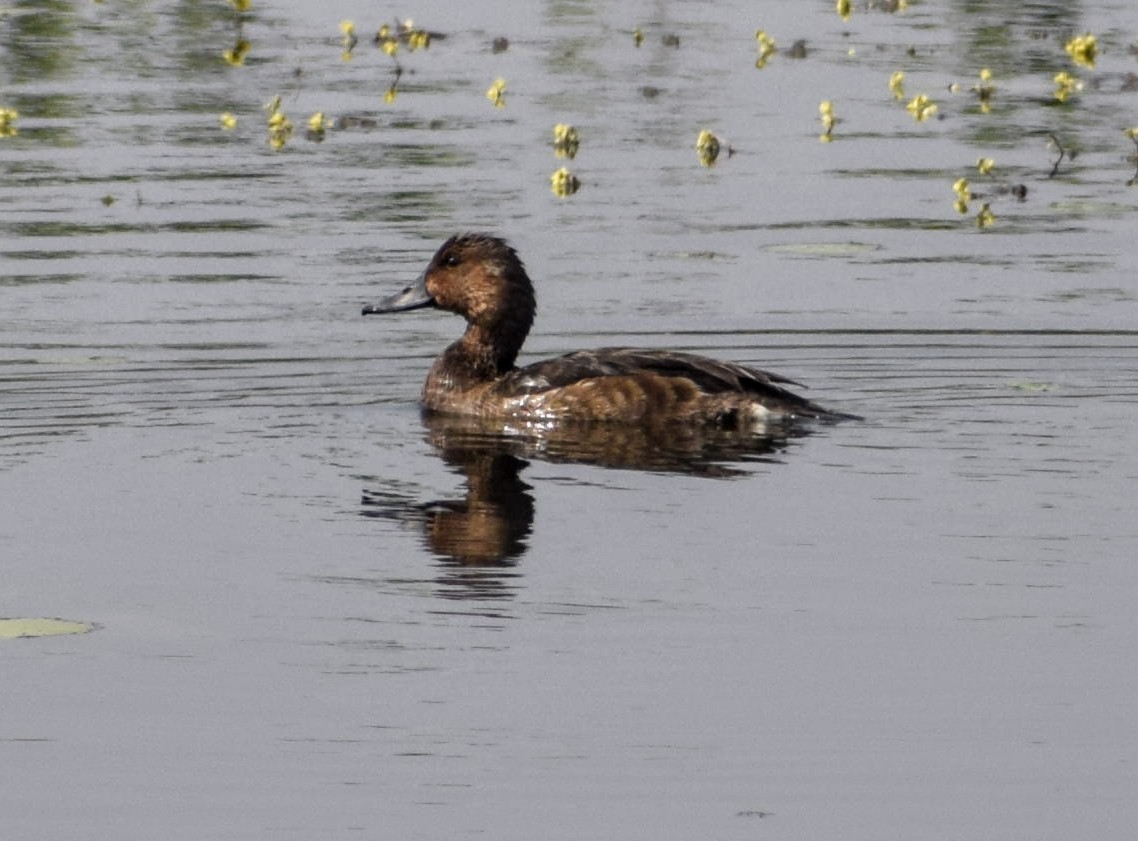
x,y
348,39
566,141
235,56
844,9
921,107
707,145
767,48
1083,49
896,85
228,121
25,628
280,127
1065,85
389,39
317,126
984,90
564,183
497,93
637,37
416,38
826,113
963,195
8,117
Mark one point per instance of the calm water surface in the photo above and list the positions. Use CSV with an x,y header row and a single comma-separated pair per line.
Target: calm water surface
x,y
320,617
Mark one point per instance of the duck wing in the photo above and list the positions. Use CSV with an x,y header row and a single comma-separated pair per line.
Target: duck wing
x,y
710,375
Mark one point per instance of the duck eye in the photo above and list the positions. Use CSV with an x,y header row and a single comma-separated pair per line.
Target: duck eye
x,y
450,261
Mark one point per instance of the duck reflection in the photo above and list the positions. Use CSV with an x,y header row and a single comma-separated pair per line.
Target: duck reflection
x,y
479,538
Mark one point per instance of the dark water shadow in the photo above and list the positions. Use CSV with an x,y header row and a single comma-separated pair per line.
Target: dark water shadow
x,y
479,538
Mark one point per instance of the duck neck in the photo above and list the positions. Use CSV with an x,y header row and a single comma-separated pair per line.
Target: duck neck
x,y
482,354
489,351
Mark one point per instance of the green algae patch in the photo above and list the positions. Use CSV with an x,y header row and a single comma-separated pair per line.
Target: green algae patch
x,y
11,629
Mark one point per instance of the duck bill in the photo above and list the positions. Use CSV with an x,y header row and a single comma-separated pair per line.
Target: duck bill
x,y
413,297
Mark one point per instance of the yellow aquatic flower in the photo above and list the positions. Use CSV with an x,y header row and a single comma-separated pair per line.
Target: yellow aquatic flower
x,y
1082,49
349,40
1065,85
389,96
637,37
228,121
236,56
961,206
497,93
384,33
242,5
845,8
767,48
419,40
921,107
317,122
278,137
960,187
985,165
280,127
984,89
1132,133
8,117
564,183
390,46
985,217
564,133
896,85
826,113
566,141
707,145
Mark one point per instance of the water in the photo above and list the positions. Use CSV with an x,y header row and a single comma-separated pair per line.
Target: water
x,y
319,617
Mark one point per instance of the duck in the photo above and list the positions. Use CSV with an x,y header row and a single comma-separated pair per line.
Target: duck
x,y
481,277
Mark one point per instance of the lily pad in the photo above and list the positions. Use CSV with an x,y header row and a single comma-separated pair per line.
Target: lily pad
x,y
11,629
823,249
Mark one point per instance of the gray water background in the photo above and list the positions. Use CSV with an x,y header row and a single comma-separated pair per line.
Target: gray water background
x,y
918,626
